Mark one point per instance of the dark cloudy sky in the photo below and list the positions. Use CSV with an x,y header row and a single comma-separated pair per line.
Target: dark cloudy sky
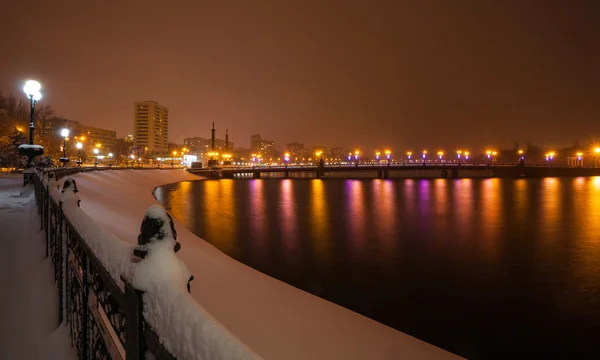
x,y
408,74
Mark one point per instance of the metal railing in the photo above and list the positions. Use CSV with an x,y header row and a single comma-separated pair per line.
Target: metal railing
x,y
105,321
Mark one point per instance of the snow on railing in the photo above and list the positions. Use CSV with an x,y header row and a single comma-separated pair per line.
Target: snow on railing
x,y
104,266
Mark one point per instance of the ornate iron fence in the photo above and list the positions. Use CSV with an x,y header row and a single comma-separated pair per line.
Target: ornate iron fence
x,y
105,322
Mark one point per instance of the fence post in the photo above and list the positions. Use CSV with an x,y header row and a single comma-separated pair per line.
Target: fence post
x,y
134,344
62,265
47,217
85,307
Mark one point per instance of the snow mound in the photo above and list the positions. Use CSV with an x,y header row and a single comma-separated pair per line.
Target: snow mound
x,y
68,192
27,146
185,328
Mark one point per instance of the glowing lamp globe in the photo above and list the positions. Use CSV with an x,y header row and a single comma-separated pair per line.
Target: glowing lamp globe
x,y
64,133
32,89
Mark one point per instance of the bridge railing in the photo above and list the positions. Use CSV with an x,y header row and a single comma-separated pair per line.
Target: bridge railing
x,y
104,318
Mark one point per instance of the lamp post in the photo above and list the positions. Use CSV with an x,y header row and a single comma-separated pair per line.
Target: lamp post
x,y
286,158
173,159
458,156
65,134
409,155
356,153
467,155
32,89
132,157
388,155
424,154
597,151
377,153
96,151
440,155
521,156
110,156
79,146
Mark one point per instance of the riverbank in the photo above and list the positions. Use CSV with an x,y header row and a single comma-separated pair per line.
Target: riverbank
x,y
276,320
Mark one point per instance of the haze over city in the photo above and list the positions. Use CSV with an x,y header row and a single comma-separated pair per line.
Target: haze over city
x,y
339,73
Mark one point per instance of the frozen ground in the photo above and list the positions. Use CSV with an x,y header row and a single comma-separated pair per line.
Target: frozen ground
x,y
29,326
274,319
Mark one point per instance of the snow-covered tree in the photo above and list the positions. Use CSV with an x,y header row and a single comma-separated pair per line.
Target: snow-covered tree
x,y
9,155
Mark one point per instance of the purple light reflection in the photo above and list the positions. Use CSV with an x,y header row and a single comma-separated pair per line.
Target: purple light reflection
x,y
356,213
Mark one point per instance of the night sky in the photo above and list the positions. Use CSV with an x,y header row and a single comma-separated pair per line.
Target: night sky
x,y
406,74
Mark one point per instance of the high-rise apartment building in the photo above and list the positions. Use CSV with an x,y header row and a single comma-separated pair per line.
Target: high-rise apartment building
x,y
151,127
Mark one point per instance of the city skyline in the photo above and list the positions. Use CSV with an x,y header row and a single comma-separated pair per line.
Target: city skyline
x,y
512,71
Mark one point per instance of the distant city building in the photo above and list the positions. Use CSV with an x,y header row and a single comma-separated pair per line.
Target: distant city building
x,y
295,149
197,143
202,144
338,153
94,136
322,149
267,149
220,145
255,143
151,126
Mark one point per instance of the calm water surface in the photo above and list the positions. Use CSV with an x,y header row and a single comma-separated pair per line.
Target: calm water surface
x,y
493,268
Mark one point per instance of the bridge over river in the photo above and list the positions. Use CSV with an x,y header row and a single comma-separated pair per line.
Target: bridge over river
x,y
387,171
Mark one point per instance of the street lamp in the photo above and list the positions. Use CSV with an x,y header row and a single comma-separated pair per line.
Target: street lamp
x,y
521,155
458,155
388,155
65,134
32,89
440,155
466,155
408,155
110,156
96,151
132,157
424,154
356,153
377,153
349,157
79,146
488,154
597,151
286,158
173,159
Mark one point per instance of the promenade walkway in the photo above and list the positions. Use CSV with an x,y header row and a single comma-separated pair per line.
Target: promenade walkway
x,y
29,302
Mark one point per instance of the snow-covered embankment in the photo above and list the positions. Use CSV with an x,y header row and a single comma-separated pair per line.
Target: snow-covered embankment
x,y
276,320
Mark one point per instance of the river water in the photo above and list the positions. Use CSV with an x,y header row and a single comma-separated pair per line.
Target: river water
x,y
484,268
